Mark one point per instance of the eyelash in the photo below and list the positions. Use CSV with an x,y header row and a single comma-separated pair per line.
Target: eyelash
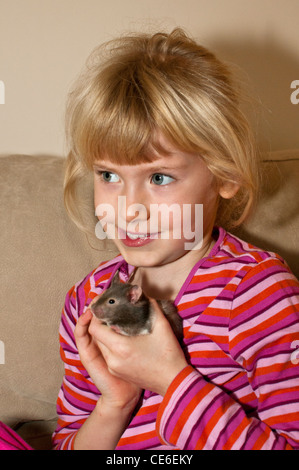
x,y
101,173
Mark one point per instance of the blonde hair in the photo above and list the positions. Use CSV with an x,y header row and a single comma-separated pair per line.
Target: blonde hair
x,y
139,84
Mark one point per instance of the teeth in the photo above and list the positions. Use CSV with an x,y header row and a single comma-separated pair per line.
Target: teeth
x,y
134,236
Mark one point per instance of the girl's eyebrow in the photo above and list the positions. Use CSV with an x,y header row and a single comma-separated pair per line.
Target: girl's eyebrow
x,y
156,168
103,165
173,166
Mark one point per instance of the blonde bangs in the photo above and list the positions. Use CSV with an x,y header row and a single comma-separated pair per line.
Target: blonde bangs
x,y
108,125
116,110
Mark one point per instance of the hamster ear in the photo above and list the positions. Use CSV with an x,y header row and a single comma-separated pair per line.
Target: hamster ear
x,y
134,294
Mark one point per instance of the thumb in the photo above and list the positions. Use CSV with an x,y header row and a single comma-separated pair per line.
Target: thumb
x,y
159,318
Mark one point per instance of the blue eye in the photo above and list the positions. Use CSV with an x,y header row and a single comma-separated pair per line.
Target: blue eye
x,y
109,177
161,180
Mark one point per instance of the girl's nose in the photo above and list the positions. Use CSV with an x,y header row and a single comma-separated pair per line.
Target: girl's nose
x,y
135,206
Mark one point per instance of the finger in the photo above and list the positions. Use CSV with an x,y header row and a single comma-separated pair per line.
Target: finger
x,y
159,317
108,342
164,324
84,320
156,306
106,353
104,334
81,329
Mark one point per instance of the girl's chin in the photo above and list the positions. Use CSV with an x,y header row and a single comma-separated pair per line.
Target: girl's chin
x,y
146,259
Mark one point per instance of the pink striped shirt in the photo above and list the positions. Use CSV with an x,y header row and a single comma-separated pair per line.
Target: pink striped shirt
x,y
240,311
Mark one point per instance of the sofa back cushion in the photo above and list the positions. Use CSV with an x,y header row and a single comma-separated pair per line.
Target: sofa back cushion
x,y
274,225
42,255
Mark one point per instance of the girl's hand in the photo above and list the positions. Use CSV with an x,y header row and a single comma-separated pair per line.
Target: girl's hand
x,y
116,392
148,361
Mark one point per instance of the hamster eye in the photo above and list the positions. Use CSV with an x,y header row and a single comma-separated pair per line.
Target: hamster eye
x,y
111,301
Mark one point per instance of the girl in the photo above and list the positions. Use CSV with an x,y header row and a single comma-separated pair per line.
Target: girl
x,y
157,120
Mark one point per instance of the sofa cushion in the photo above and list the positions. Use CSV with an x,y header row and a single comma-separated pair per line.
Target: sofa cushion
x,y
274,225
42,255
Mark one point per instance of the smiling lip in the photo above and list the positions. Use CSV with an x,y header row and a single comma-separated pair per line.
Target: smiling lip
x,y
136,239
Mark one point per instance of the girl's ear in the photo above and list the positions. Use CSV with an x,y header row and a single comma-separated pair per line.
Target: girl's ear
x,y
228,189
134,294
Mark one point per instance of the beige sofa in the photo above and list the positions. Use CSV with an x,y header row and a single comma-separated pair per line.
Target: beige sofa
x,y
43,254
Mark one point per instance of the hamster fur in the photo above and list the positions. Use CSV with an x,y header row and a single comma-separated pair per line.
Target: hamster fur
x,y
126,309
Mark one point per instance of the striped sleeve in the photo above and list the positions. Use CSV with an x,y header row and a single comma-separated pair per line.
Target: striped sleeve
x,y
263,332
78,395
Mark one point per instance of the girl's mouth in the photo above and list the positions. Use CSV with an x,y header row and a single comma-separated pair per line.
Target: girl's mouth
x,y
135,239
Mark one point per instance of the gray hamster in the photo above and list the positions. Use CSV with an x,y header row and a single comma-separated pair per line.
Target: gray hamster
x,y
126,309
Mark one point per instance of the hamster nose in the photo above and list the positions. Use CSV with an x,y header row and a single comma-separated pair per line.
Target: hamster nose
x,y
97,311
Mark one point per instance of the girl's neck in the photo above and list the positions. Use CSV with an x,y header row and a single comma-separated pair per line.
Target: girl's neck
x,y
165,281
